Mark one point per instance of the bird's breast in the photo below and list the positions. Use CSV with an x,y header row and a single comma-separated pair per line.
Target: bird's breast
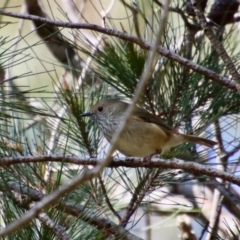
x,y
138,139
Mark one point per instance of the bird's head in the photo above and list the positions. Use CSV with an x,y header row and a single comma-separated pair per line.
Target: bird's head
x,y
107,110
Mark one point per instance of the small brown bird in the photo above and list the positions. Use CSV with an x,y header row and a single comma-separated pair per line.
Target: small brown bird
x,y
144,135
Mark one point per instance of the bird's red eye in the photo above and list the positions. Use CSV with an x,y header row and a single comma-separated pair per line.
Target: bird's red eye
x,y
100,109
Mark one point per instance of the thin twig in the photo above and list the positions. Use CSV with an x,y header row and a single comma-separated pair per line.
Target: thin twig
x,y
217,196
52,143
203,231
14,88
140,192
134,11
227,194
105,194
189,25
138,195
214,215
233,151
218,134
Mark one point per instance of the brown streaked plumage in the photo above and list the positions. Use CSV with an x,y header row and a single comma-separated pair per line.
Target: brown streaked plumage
x,y
144,135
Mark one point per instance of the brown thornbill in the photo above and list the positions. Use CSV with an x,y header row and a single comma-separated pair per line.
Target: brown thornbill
x,y
144,135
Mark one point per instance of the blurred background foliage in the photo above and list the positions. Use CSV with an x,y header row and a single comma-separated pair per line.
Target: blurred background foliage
x,y
50,75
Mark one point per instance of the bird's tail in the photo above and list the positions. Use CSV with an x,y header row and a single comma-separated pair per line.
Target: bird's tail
x,y
199,140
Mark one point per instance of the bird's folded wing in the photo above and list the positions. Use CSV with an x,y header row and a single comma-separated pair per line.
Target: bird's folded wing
x,y
145,116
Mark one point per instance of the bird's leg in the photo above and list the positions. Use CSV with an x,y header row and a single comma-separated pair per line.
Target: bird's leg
x,y
149,157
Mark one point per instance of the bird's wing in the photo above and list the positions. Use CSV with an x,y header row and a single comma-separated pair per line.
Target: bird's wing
x,y
148,117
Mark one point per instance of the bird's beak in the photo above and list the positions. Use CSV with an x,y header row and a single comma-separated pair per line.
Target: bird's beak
x,y
89,114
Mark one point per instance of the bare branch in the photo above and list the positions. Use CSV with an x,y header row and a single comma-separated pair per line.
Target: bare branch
x,y
216,44
224,81
100,223
172,163
52,198
56,228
